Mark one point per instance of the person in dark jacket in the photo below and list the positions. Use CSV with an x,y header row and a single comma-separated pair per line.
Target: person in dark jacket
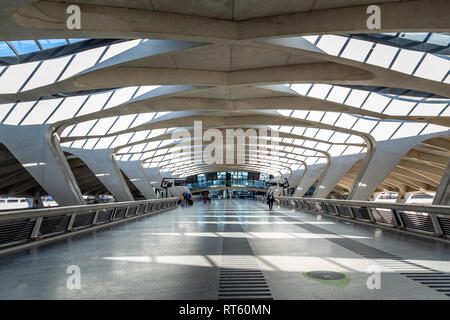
x,y
270,198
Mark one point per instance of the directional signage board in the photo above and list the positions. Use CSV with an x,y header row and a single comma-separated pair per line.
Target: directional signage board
x,y
166,184
180,182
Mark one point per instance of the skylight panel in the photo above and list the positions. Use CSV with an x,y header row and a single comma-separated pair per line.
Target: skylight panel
x,y
156,132
25,46
160,114
384,130
310,132
428,109
310,144
90,143
284,112
19,112
298,131
352,150
336,150
324,134
315,116
319,91
330,117
399,107
5,50
322,146
41,111
331,44
446,112
122,123
339,137
346,121
407,61
144,90
439,39
414,36
300,114
47,73
301,88
118,48
376,102
83,60
382,55
15,76
73,40
81,129
67,109
338,94
51,43
139,135
120,96
94,103
4,109
364,125
356,98
102,126
78,144
357,49
104,143
143,118
433,68
310,161
432,128
152,145
408,130
355,139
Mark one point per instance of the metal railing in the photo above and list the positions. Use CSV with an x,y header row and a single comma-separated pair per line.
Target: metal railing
x,y
431,220
21,227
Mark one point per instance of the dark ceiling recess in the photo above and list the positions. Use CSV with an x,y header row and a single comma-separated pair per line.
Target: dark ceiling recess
x,y
134,191
15,180
87,181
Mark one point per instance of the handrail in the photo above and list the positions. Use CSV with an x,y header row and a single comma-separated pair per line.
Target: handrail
x,y
50,211
373,204
25,227
430,220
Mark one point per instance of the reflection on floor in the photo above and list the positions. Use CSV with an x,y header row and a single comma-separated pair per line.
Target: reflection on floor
x,y
231,248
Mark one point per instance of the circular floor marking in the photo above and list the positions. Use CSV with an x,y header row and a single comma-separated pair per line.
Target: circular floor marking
x,y
333,278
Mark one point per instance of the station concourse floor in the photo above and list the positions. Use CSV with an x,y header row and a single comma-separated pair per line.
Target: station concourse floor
x,y
180,254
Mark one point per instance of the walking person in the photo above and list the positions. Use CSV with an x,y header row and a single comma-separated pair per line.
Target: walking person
x,y
270,198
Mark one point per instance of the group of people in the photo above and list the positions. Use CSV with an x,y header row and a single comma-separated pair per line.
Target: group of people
x,y
186,199
206,197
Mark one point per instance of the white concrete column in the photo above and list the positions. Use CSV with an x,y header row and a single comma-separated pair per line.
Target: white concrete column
x,y
387,155
312,174
105,168
153,177
296,177
442,196
339,166
36,149
135,173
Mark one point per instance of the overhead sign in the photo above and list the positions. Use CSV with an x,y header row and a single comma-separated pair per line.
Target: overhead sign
x,y
283,183
180,182
166,184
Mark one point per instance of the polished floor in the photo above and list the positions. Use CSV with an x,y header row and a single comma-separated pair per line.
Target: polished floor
x,y
231,249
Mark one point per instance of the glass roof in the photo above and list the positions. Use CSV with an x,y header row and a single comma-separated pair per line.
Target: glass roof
x,y
423,55
19,47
